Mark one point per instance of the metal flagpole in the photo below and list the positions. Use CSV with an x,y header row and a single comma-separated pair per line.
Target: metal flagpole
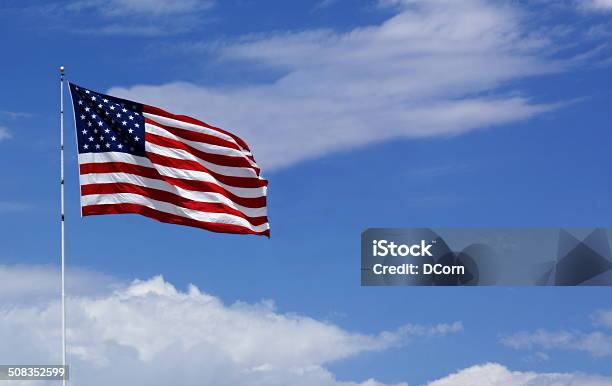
x,y
62,217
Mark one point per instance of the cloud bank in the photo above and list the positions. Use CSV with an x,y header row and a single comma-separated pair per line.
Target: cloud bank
x,y
186,338
150,333
435,68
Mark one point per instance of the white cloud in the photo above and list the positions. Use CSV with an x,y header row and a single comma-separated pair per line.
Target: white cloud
x,y
13,206
16,114
141,7
4,133
603,318
493,374
436,68
596,5
594,343
321,4
150,333
136,17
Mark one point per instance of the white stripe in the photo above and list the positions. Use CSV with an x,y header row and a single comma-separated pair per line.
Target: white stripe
x,y
201,146
113,156
207,197
179,154
183,174
129,198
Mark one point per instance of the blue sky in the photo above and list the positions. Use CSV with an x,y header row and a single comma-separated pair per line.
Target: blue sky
x,y
362,114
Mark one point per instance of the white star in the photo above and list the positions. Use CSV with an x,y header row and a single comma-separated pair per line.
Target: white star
x,y
100,105
108,145
82,117
87,109
95,131
93,98
84,132
105,100
100,123
85,146
113,138
136,139
131,117
93,116
91,139
101,138
89,123
120,146
124,110
118,115
136,113
124,123
80,102
136,124
86,91
130,131
112,107
106,131
97,146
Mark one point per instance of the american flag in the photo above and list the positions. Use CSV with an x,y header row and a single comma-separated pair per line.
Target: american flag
x,y
136,158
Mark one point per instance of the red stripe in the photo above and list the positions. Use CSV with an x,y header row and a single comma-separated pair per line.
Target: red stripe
x,y
171,198
198,186
218,159
242,182
157,111
92,210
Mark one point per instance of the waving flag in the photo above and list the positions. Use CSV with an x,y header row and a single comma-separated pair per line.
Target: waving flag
x,y
135,158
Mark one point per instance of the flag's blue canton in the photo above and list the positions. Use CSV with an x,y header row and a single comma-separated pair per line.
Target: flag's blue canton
x,y
105,123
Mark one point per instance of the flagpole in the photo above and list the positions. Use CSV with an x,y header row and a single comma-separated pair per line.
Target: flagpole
x,y
62,218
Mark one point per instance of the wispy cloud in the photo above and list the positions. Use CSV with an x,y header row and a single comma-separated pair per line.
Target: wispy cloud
x,y
15,114
603,318
4,133
595,343
135,17
435,68
322,4
123,8
595,5
12,206
494,374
